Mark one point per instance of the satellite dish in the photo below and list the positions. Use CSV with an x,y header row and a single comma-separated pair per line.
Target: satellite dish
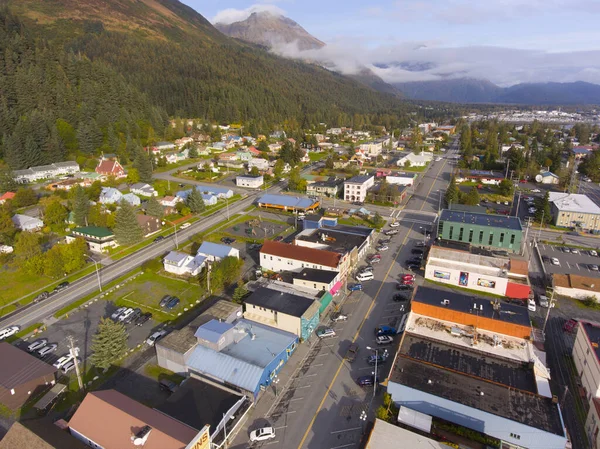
x,y
538,178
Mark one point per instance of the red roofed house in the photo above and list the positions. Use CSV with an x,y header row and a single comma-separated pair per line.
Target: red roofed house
x,y
254,151
107,167
7,196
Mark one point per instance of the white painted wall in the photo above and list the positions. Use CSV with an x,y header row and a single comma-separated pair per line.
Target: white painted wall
x,y
499,289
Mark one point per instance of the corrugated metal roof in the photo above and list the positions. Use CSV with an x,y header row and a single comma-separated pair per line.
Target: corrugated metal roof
x,y
214,249
212,331
286,201
176,257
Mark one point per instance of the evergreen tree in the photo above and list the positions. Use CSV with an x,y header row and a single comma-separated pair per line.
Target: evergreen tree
x,y
542,209
153,208
254,171
143,164
127,230
7,227
81,207
472,198
109,344
55,214
193,151
452,193
195,202
239,294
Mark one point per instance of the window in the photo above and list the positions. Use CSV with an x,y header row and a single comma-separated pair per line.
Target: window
x,y
315,286
441,228
470,236
264,256
501,237
271,257
278,260
451,231
480,236
491,240
460,234
512,239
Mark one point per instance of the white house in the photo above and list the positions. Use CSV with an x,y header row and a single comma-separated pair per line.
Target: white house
x,y
547,177
132,199
183,264
110,195
215,251
249,181
261,164
209,199
143,189
375,147
416,160
355,188
170,201
27,223
164,146
40,172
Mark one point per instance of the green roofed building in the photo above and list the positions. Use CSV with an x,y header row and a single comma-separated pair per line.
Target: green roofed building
x,y
495,232
99,239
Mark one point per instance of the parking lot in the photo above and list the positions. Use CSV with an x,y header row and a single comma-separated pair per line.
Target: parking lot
x,y
582,262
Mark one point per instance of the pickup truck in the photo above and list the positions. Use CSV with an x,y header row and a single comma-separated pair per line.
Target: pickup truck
x,y
385,330
352,352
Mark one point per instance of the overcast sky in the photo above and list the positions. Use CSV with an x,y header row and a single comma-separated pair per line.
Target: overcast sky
x,y
505,41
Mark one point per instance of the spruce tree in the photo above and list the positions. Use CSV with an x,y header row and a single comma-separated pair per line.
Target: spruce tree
x,y
143,165
452,193
195,202
109,343
81,207
127,230
153,208
472,198
193,152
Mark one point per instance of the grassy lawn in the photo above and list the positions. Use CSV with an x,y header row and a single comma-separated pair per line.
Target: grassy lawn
x,y
413,169
315,157
162,187
146,291
355,221
159,373
177,164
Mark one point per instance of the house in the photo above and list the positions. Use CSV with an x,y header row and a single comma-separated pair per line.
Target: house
x,y
217,147
183,141
244,156
274,147
278,257
132,199
582,151
108,419
149,224
573,210
110,195
249,181
68,184
487,177
39,434
41,172
446,129
261,164
107,167
183,264
209,199
22,376
295,314
143,189
164,146
98,239
169,201
215,251
27,223
218,191
244,356
415,160
278,135
6,196
355,188
254,151
329,188
227,157
547,177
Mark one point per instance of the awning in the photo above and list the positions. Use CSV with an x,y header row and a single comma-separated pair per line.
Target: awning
x,y
414,419
336,287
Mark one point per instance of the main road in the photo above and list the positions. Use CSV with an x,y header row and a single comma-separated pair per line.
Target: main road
x,y
320,406
37,313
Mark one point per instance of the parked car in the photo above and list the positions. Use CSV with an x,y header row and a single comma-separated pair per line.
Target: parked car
x,y
125,315
593,267
543,301
377,359
62,361
117,313
413,266
69,365
406,276
165,300
570,325
352,352
401,286
8,332
367,269
574,251
61,286
41,297
168,385
399,297
417,251
339,317
143,318
384,340
382,248
531,305
566,249
137,312
391,232
47,349
37,344
325,332
159,239
385,330
155,337
366,381
362,277
593,253
228,240
355,287
420,244
385,241
185,225
172,303
554,261
375,261
394,224
262,434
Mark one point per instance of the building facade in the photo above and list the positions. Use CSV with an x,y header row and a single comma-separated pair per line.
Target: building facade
x,y
249,181
355,189
331,189
577,211
278,257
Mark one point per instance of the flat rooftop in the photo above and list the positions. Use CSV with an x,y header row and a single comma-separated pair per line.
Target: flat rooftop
x,y
489,220
336,241
460,256
509,403
296,202
388,436
573,202
470,362
314,275
360,179
459,302
592,330
278,301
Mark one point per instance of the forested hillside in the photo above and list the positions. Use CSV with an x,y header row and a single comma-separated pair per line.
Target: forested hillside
x,y
54,102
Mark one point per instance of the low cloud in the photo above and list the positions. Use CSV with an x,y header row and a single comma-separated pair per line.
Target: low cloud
x,y
231,15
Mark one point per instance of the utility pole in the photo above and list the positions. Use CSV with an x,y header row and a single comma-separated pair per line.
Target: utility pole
x,y
208,278
176,242
74,352
550,304
518,203
507,165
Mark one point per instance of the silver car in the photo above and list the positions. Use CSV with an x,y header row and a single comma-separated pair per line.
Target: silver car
x,y
37,344
44,351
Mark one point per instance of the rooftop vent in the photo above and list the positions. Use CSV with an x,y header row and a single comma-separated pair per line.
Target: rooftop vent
x,y
446,302
140,438
429,381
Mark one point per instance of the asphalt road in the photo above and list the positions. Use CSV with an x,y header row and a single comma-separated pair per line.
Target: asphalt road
x,y
321,408
36,313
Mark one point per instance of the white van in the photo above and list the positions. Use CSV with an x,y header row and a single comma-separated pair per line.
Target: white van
x,y
361,277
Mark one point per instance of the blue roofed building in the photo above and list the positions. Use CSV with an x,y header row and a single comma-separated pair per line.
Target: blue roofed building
x,y
219,192
215,251
209,199
288,202
244,356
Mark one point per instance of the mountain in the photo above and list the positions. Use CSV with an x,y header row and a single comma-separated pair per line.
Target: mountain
x,y
470,90
273,31
183,64
269,30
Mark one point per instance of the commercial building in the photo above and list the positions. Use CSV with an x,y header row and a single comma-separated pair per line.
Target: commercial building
x,y
22,376
110,420
39,434
287,203
573,210
330,188
592,423
249,181
403,179
481,391
42,172
482,230
481,176
375,147
296,314
355,188
389,436
98,239
244,356
547,177
576,286
27,223
481,270
278,257
323,280
586,356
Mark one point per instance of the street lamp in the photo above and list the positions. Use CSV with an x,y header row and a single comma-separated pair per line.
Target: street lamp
x,y
374,373
97,272
363,418
275,382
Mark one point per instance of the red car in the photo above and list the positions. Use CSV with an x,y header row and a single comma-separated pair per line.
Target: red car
x,y
407,281
407,276
523,181
570,326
